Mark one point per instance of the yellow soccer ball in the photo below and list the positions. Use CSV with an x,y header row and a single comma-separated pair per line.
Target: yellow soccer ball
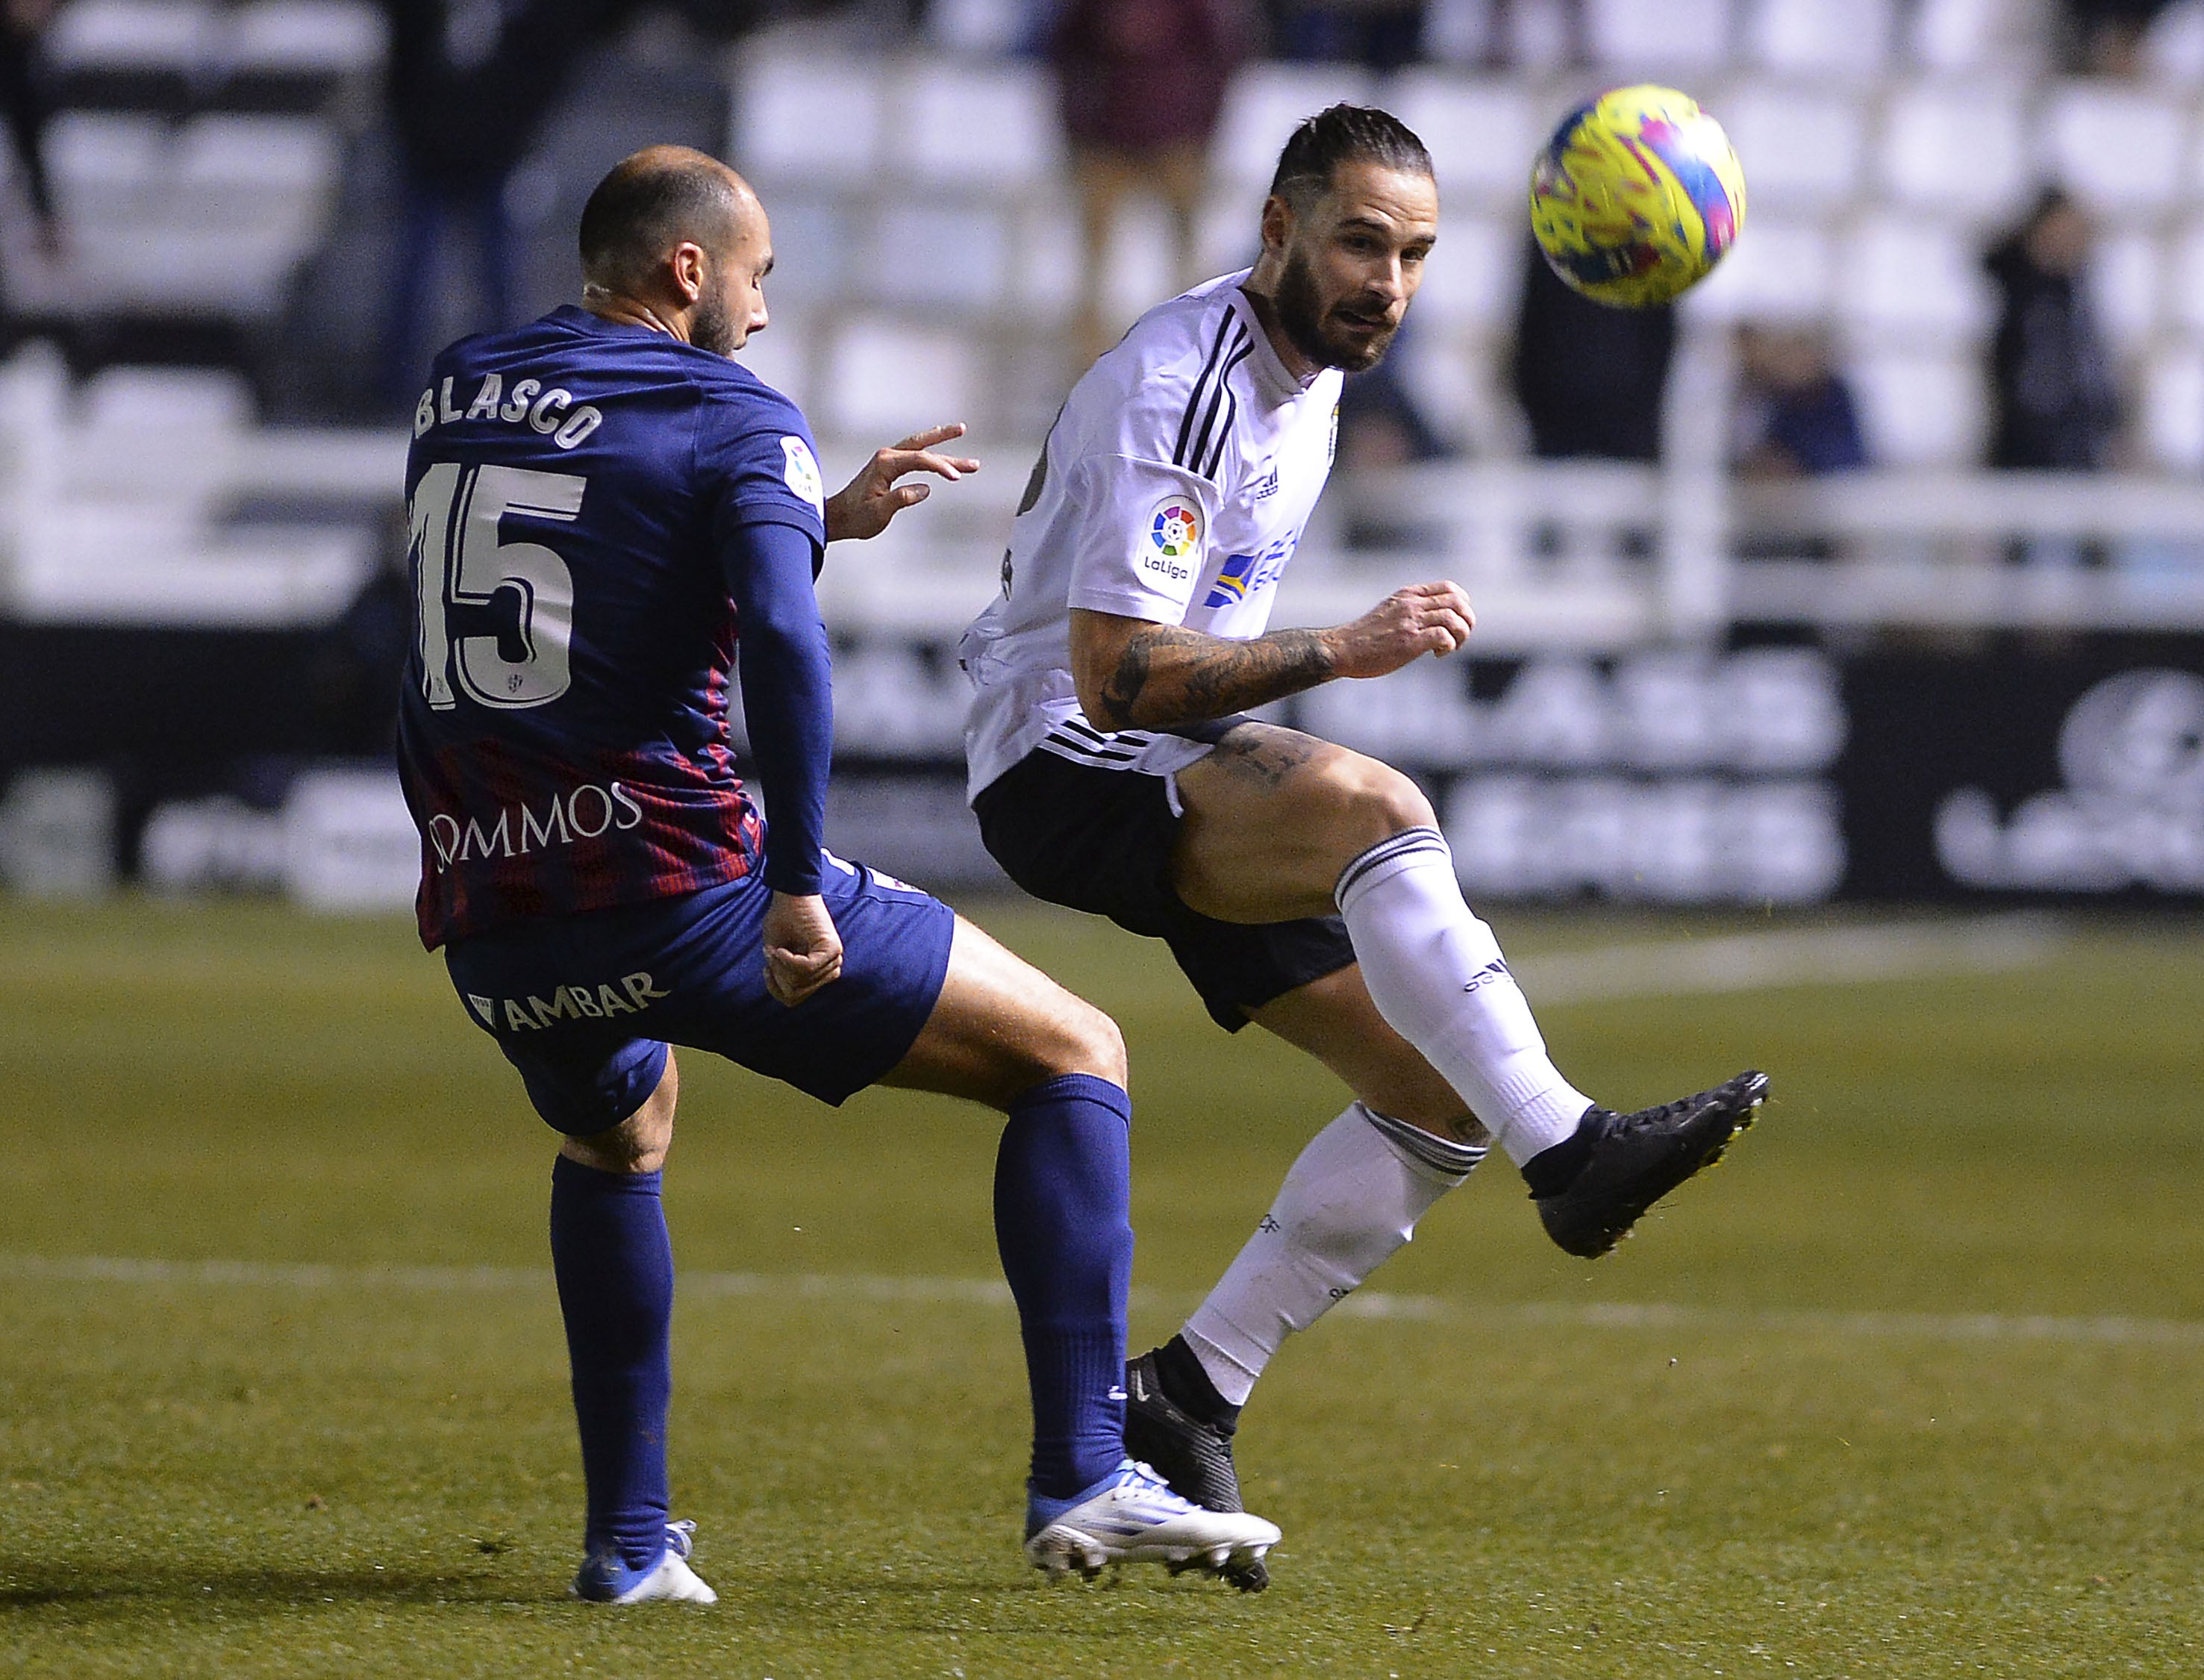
x,y
1637,196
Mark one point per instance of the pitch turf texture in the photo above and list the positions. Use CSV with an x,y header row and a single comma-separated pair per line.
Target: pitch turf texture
x,y
1910,1386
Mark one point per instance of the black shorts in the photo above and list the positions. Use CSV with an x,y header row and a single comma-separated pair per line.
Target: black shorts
x,y
1100,841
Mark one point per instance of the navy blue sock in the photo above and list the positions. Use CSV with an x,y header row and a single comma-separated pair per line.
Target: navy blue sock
x,y
614,1264
1063,1186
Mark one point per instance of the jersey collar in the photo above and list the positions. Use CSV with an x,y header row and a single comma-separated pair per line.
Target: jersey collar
x,y
1272,377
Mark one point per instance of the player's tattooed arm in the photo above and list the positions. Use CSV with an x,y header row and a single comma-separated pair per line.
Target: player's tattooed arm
x,y
1159,675
1134,674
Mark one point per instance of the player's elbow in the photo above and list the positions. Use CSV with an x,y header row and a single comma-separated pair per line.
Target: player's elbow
x,y
1096,702
1101,648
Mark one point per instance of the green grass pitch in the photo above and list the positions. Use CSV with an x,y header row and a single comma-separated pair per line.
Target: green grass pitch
x,y
1910,1386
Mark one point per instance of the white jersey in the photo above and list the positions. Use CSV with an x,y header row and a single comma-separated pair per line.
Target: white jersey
x,y
1173,487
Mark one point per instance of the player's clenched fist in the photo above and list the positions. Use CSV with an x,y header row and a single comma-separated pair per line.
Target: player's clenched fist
x,y
803,950
1422,618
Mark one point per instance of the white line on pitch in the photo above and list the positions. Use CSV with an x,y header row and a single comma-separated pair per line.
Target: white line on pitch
x,y
1830,956
989,1292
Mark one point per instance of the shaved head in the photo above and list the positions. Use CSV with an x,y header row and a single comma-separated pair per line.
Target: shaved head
x,y
661,196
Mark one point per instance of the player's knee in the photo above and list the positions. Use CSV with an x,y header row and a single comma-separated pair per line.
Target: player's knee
x,y
1090,1043
1376,802
639,1143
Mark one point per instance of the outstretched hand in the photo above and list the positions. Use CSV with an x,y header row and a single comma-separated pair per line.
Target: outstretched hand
x,y
803,951
864,507
1422,618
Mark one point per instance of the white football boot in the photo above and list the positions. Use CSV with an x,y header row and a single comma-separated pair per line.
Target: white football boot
x,y
605,1580
1131,1516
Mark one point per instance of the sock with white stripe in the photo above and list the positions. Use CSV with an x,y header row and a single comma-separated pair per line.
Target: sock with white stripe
x,y
1437,975
1348,1205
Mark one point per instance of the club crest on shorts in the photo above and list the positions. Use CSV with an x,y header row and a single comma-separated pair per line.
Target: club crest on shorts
x,y
1176,532
801,472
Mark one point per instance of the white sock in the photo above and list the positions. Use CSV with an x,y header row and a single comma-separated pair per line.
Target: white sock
x,y
1347,1204
1436,974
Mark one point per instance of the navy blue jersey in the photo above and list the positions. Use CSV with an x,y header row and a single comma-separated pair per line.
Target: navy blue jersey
x,y
578,491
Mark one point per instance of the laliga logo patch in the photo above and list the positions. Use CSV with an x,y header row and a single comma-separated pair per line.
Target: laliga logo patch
x,y
801,473
1176,531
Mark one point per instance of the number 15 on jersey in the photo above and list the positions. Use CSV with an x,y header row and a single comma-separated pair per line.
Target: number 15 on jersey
x,y
460,559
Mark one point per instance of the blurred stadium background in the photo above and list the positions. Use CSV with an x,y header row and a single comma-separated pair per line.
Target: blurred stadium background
x,y
1709,671
1795,733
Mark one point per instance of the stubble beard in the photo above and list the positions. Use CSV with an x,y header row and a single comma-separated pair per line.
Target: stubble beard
x,y
1301,314
713,326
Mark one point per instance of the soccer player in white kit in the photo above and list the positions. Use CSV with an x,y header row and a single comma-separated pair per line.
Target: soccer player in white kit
x,y
1299,885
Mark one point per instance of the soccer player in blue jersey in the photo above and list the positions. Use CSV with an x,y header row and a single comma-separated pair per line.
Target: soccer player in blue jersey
x,y
603,506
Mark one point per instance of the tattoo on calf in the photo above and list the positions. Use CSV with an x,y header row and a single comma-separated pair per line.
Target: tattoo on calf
x,y
1169,675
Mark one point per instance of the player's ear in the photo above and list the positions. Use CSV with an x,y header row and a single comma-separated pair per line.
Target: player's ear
x,y
1277,223
687,265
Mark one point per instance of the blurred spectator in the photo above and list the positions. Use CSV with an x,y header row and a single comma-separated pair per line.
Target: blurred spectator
x,y
1499,52
1379,35
1140,84
1382,427
2108,34
470,82
1380,424
1796,414
22,100
1589,378
2052,392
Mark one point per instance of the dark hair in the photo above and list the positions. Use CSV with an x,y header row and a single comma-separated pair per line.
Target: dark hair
x,y
649,204
1331,138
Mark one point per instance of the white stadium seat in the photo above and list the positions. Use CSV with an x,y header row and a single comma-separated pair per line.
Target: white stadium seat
x,y
1778,271
884,377
1481,134
275,173
1902,278
1808,147
1475,276
781,355
1820,38
2122,150
1264,104
180,36
1979,34
1920,411
2173,51
1957,146
1143,269
932,255
1045,256
816,254
808,120
2126,283
2172,409
1230,232
976,28
178,403
1631,36
324,37
108,167
991,125
294,154
2184,279
151,433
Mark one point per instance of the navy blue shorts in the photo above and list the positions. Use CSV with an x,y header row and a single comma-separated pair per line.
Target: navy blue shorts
x,y
585,1006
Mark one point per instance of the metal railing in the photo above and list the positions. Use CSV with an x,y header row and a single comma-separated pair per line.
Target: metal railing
x,y
1607,554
